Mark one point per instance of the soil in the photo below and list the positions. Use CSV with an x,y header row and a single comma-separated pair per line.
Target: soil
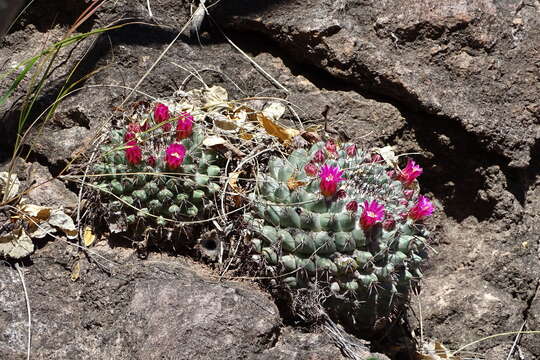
x,y
456,83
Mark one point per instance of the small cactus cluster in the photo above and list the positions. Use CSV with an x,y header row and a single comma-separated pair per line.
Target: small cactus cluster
x,y
340,218
149,170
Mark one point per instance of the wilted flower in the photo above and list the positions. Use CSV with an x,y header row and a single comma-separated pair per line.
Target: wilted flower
x,y
391,173
161,114
421,209
134,127
129,136
319,156
411,172
330,178
311,169
330,146
373,213
184,127
351,150
408,194
389,224
133,152
341,194
174,155
151,160
352,206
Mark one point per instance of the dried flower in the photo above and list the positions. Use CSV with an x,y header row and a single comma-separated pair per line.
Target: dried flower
x,y
319,156
352,206
311,169
373,213
330,178
174,155
391,173
161,114
351,150
151,160
411,172
184,127
129,136
134,127
389,224
421,209
341,194
331,147
133,152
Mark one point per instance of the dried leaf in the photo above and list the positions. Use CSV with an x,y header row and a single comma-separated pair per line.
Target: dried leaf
x,y
9,184
293,184
215,96
213,141
233,181
311,137
36,211
274,110
88,236
76,271
284,134
437,351
223,122
39,232
388,155
65,223
16,245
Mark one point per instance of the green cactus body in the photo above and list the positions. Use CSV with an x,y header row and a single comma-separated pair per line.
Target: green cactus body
x,y
151,191
310,237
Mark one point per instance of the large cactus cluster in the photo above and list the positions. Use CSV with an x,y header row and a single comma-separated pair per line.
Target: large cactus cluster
x,y
340,219
152,172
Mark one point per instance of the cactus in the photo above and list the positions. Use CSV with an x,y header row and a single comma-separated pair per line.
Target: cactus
x,y
155,173
339,219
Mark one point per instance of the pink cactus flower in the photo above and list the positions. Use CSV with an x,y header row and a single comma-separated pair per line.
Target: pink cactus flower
x,y
311,169
151,161
331,147
422,209
174,155
330,178
319,157
352,206
411,172
133,152
184,127
375,158
373,213
351,150
161,114
129,136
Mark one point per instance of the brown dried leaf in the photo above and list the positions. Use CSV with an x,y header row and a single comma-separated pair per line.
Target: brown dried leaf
x,y
293,184
88,236
272,128
36,211
213,141
233,182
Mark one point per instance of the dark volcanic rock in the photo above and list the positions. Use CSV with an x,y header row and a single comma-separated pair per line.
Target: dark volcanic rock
x,y
154,309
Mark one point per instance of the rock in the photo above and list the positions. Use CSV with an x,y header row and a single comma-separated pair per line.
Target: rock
x,y
47,191
162,308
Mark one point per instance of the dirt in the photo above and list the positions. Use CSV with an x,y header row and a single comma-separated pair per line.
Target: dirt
x,y
455,82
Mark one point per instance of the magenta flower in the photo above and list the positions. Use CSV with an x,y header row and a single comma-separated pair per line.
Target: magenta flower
x,y
133,152
311,169
423,208
411,172
389,224
351,150
319,156
330,178
373,213
375,158
129,136
184,127
161,114
151,160
330,146
174,155
352,206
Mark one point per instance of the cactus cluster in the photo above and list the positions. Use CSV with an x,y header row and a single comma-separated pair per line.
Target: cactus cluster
x,y
341,219
150,171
